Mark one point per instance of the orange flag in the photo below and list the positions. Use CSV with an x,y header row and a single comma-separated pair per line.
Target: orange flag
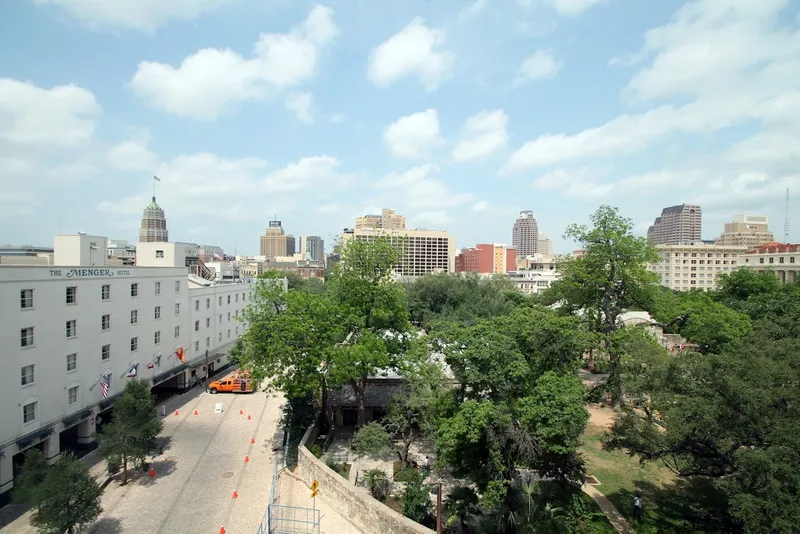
x,y
179,354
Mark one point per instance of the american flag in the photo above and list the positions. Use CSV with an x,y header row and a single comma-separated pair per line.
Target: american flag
x,y
104,384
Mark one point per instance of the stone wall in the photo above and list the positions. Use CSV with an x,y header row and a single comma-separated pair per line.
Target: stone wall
x,y
354,503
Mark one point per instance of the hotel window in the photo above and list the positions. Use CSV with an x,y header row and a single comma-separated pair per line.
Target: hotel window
x,y
208,303
219,338
760,260
208,342
72,328
177,308
158,288
26,298
72,395
244,297
177,286
177,331
780,260
229,299
106,322
105,352
72,294
772,260
157,337
105,292
229,333
134,316
29,413
237,330
72,362
159,253
134,344
220,301
134,290
229,316
197,305
197,346
208,322
197,326
791,259
237,297
27,375
220,317
157,312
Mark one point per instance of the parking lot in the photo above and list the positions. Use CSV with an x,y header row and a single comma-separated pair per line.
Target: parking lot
x,y
202,464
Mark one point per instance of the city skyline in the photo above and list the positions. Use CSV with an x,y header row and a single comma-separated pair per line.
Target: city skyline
x,y
457,114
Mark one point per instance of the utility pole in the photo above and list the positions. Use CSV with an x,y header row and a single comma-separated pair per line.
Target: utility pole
x,y
439,510
206,367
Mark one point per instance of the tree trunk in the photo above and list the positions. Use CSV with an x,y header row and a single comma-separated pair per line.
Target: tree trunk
x,y
124,469
358,389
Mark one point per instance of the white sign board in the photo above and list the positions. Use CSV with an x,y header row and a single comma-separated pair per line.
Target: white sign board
x,y
218,407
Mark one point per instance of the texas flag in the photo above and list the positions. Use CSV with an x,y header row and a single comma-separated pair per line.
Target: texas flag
x,y
133,370
179,353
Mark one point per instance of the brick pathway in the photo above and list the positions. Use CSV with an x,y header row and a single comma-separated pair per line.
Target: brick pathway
x,y
607,507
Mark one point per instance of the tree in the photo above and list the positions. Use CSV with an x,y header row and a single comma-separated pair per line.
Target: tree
x,y
460,506
375,313
372,438
65,498
609,278
34,471
744,283
377,482
131,436
416,503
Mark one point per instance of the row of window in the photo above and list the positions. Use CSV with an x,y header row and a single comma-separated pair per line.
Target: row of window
x,y
27,334
208,301
26,295
772,259
208,320
29,410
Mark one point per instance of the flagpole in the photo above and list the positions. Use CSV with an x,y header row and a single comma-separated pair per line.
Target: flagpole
x,y
96,382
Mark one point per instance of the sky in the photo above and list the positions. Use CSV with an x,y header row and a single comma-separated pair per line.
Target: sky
x,y
457,114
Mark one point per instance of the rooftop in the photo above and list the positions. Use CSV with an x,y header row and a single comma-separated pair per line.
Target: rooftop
x,y
774,248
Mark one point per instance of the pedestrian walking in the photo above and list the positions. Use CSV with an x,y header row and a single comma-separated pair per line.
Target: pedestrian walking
x,y
638,507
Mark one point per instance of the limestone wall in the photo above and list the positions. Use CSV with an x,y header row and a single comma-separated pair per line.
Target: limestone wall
x,y
351,502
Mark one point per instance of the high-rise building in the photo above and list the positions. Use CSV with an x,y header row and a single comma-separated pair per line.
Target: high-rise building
x,y
746,231
274,241
154,224
486,259
388,220
525,236
677,225
424,251
695,265
544,245
312,247
291,245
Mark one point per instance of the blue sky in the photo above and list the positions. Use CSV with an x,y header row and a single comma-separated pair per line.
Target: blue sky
x,y
456,114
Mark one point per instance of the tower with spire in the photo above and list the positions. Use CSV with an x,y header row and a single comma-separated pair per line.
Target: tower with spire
x,y
154,224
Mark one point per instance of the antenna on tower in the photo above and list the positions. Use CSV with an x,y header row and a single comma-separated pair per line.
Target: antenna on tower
x,y
786,224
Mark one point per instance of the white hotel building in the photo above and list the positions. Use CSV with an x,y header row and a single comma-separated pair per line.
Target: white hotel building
x,y
66,325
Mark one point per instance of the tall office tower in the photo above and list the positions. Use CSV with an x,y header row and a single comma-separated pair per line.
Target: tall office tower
x,y
291,245
154,224
746,231
388,220
313,247
677,225
525,236
274,241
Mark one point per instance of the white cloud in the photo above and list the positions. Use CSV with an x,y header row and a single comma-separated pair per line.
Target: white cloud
x,y
144,15
212,81
573,8
417,189
472,10
482,135
579,184
31,117
415,52
300,104
540,65
730,60
414,136
307,173
131,156
337,118
481,205
656,182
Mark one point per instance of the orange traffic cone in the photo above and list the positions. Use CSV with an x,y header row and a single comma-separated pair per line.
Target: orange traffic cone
x,y
248,417
246,458
235,495
221,529
241,412
252,440
176,412
152,472
195,412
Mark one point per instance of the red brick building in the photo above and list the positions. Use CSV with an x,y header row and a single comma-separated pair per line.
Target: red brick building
x,y
487,259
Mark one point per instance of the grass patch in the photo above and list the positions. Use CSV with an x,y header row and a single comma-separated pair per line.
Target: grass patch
x,y
671,504
343,469
599,524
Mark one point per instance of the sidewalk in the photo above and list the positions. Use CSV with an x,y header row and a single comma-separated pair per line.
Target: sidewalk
x,y
294,492
607,507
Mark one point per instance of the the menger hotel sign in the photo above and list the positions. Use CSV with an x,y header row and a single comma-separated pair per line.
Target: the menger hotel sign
x,y
88,273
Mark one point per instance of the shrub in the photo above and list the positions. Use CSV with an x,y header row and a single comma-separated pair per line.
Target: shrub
x,y
315,449
409,474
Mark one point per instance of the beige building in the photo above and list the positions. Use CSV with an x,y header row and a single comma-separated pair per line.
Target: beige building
x,y
275,242
525,234
780,258
677,225
544,245
154,224
388,220
746,231
695,265
424,251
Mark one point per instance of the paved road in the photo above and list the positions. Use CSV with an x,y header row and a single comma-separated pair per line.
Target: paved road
x,y
199,470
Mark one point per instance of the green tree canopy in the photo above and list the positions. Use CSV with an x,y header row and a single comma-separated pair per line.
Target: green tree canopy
x,y
131,436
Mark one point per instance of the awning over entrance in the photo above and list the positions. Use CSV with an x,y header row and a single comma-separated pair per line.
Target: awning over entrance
x,y
34,437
